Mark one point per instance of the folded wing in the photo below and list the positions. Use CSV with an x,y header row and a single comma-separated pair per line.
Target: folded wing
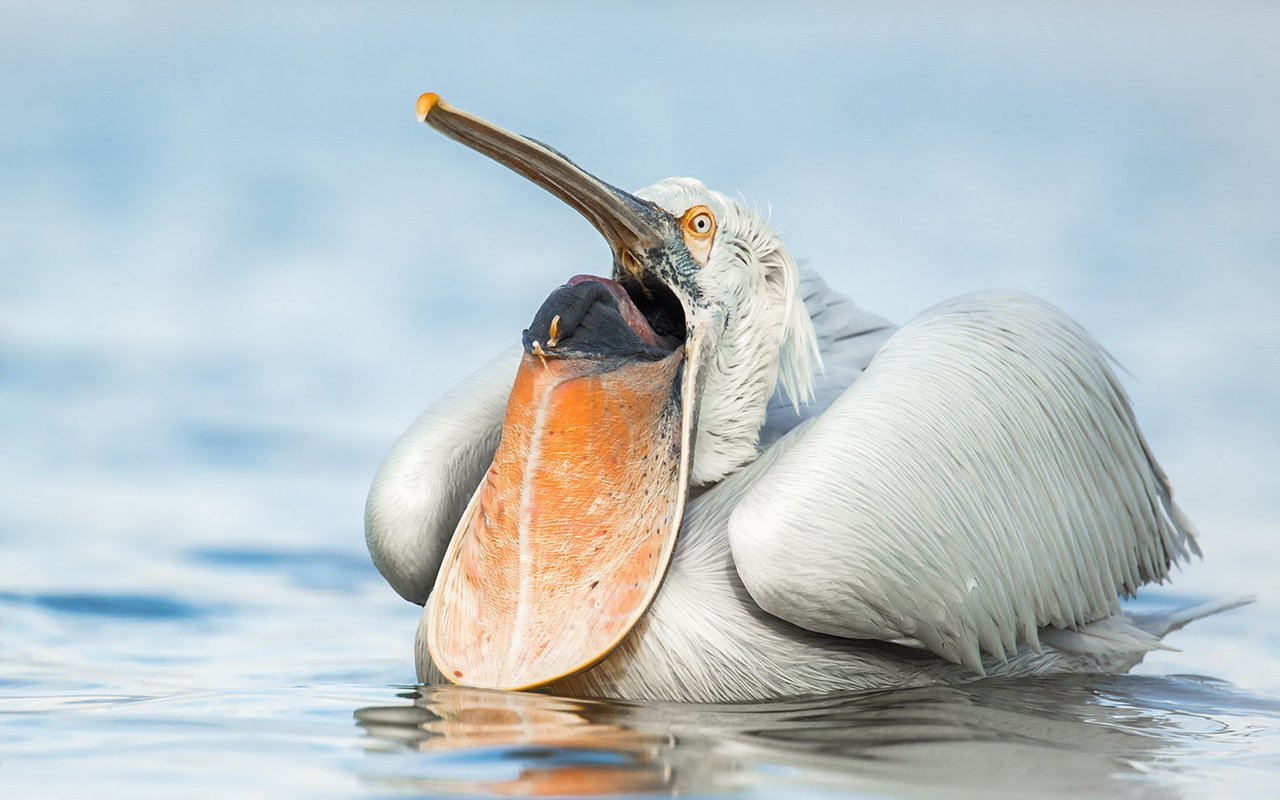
x,y
982,479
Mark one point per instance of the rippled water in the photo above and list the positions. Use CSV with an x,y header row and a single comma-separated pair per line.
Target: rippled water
x,y
232,269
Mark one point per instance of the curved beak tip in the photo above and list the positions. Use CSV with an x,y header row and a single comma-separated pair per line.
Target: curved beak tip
x,y
426,102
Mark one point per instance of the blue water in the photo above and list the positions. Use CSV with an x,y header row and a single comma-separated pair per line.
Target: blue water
x,y
233,268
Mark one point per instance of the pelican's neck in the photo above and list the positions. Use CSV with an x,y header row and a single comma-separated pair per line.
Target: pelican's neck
x,y
766,339
740,380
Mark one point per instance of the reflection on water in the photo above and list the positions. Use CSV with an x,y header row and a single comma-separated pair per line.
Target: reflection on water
x,y
550,745
1131,735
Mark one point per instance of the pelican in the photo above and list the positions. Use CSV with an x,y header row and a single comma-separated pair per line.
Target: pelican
x,y
710,477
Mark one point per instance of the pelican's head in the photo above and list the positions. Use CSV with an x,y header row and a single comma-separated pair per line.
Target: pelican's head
x,y
631,388
763,334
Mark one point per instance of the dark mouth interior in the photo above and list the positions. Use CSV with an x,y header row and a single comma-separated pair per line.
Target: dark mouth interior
x,y
660,307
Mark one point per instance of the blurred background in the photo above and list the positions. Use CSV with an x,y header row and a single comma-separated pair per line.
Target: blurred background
x,y
233,268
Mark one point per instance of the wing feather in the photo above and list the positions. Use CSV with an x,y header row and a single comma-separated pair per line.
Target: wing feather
x,y
425,482
984,478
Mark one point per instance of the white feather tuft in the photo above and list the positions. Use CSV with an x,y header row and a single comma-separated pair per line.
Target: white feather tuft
x,y
799,360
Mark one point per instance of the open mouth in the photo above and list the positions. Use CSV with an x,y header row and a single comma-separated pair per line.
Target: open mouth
x,y
590,316
659,306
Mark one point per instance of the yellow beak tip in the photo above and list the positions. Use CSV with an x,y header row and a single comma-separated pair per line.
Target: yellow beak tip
x,y
426,102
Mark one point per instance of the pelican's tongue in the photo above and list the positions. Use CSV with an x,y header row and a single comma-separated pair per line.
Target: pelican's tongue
x,y
630,314
566,541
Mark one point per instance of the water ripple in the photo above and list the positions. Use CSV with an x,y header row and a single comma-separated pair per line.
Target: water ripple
x,y
124,606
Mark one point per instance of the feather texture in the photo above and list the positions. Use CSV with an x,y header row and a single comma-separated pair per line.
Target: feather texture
x,y
984,478
847,337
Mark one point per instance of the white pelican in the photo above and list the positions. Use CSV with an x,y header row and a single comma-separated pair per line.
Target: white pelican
x,y
713,478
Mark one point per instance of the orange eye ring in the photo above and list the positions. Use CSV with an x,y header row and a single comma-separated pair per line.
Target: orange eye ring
x,y
699,223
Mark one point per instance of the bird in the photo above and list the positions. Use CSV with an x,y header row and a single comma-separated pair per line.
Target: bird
x,y
710,477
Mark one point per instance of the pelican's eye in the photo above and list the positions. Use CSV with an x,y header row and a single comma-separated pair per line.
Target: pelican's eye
x,y
699,222
699,226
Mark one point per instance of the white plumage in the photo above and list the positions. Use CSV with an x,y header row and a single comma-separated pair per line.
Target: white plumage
x,y
982,479
982,488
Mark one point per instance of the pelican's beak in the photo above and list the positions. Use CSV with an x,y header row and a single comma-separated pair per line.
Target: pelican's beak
x,y
565,543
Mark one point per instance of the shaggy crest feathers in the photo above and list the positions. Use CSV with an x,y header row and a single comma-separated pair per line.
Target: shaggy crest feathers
x,y
767,340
